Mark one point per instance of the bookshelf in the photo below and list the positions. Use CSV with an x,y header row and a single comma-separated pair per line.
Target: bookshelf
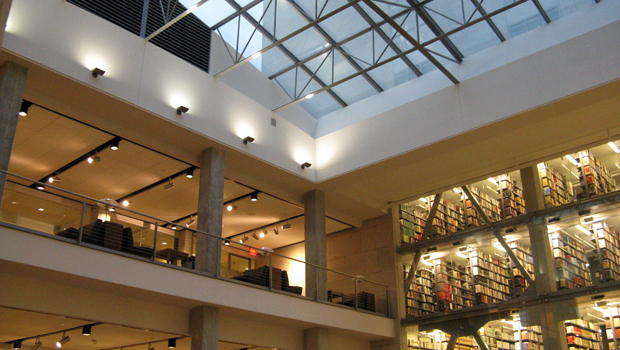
x,y
489,205
608,247
498,337
412,223
510,197
571,264
423,343
452,284
462,343
594,178
529,338
448,219
612,325
490,277
582,335
557,190
523,254
420,298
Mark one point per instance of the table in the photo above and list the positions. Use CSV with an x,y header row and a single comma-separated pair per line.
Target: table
x,y
172,256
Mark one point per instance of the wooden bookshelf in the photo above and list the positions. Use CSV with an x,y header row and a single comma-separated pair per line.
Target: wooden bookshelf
x,y
582,335
608,249
412,223
498,337
612,325
490,277
448,219
571,264
557,190
422,343
489,205
510,198
523,254
420,298
462,343
453,285
594,178
529,338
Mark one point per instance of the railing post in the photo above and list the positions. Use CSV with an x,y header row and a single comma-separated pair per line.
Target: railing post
x,y
316,286
270,272
355,291
154,243
82,221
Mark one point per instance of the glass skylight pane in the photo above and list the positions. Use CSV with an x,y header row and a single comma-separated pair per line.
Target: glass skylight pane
x,y
372,14
242,3
288,20
354,90
361,49
320,105
305,44
323,61
287,82
210,12
448,14
274,61
517,20
392,74
475,38
559,8
344,24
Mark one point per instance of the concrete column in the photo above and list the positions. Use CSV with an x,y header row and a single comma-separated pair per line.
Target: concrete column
x,y
554,333
12,84
210,210
316,244
316,339
204,327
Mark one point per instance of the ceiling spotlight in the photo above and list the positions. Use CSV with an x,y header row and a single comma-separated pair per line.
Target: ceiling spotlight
x,y
247,139
306,165
64,340
191,221
244,239
275,230
262,234
114,144
54,178
17,345
169,185
86,330
173,227
23,110
189,173
40,187
125,203
37,344
254,196
226,243
285,226
182,109
93,159
255,236
172,343
149,347
97,72
231,207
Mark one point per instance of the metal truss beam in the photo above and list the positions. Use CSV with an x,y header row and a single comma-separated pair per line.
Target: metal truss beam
x,y
175,20
286,52
287,37
436,29
331,42
234,15
542,11
481,343
512,256
476,205
490,21
407,52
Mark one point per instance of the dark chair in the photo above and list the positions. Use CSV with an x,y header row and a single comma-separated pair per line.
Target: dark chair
x,y
93,233
128,247
286,287
71,233
260,276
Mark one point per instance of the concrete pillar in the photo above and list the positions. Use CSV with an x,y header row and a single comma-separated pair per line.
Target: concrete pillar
x,y
210,210
554,333
12,84
316,244
316,338
204,327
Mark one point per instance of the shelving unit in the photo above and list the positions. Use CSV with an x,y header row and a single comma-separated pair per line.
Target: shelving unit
x,y
498,337
462,343
571,264
510,198
518,282
529,338
420,298
452,285
582,335
489,205
612,325
490,277
448,219
422,344
594,178
608,248
411,224
557,190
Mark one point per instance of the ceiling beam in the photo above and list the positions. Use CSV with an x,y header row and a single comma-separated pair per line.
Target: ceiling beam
x,y
155,184
175,20
490,21
542,11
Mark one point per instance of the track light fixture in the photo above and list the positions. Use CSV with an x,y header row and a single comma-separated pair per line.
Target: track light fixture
x,y
263,234
37,344
182,109
173,227
255,236
172,343
126,203
244,239
226,243
23,110
114,144
191,221
247,139
93,159
40,187
96,72
17,345
150,347
64,340
169,185
55,178
231,207
286,226
305,165
254,196
275,231
86,330
189,173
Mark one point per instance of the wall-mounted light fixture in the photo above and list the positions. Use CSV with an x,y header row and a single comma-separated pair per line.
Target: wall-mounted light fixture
x,y
23,110
247,139
96,72
182,109
305,165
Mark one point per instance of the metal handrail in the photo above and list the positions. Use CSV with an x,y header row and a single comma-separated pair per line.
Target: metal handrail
x,y
195,230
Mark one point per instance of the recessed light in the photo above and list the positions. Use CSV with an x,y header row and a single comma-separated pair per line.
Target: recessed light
x,y
41,209
164,243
